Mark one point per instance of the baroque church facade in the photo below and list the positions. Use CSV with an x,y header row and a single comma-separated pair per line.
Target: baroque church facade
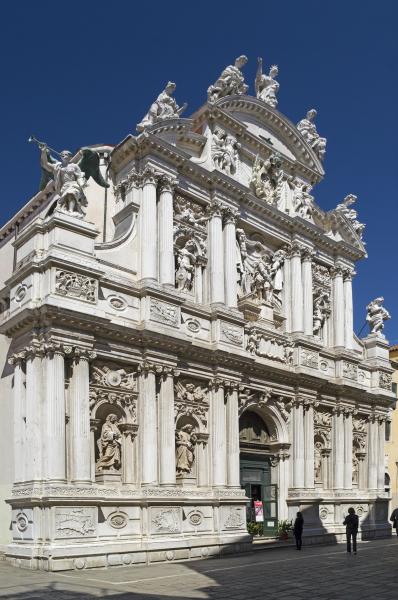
x,y
177,346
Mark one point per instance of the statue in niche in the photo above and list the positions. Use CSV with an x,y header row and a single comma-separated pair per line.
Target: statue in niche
x,y
109,445
267,178
376,315
265,85
185,273
308,130
355,470
70,178
224,151
321,303
318,462
185,449
230,82
351,214
276,270
164,107
303,201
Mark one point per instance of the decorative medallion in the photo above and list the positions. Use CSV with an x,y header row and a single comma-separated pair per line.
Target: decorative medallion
x,y
79,563
21,522
323,365
323,513
193,325
195,518
20,293
169,555
113,378
117,520
117,302
127,559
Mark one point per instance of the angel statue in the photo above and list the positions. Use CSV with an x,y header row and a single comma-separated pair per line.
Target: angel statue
x,y
230,82
308,130
265,85
351,214
70,178
164,107
376,316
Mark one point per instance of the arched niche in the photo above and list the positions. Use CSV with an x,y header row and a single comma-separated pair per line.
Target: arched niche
x,y
253,429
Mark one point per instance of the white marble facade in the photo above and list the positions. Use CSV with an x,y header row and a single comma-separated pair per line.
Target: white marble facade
x,y
196,314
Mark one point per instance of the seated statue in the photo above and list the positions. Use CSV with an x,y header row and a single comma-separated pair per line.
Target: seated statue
x,y
164,107
230,82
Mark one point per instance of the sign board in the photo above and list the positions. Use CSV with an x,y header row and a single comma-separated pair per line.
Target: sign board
x,y
258,511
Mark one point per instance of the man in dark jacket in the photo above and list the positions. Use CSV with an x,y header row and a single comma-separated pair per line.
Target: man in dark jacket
x,y
351,523
298,530
394,519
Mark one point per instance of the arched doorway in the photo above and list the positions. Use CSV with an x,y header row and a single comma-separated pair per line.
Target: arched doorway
x,y
256,473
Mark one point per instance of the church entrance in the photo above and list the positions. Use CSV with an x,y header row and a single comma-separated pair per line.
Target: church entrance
x,y
256,475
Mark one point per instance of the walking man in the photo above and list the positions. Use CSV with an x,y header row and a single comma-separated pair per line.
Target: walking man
x,y
394,519
351,523
298,530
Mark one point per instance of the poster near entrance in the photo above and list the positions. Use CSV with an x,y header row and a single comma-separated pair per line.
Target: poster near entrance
x,y
258,511
262,505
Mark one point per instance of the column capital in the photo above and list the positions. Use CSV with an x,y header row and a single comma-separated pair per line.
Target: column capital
x,y
230,215
215,209
308,254
146,367
150,176
36,349
336,271
348,274
167,183
216,383
231,386
17,358
296,249
165,371
52,348
82,354
128,429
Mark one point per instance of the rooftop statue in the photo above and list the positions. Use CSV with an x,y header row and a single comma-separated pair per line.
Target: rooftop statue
x,y
309,132
164,107
351,214
265,85
230,82
376,316
70,178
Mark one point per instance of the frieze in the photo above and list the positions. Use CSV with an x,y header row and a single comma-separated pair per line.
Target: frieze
x,y
166,520
234,519
350,370
74,522
232,335
385,381
165,313
309,358
268,347
75,285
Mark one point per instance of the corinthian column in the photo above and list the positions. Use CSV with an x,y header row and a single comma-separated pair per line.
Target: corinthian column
x,y
148,230
348,449
165,214
297,290
216,254
231,292
373,451
79,421
218,432
309,444
298,443
35,428
338,448
55,452
148,425
348,311
19,416
338,307
287,290
233,464
308,307
381,431
167,457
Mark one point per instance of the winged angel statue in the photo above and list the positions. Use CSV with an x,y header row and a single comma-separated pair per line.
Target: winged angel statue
x,y
70,178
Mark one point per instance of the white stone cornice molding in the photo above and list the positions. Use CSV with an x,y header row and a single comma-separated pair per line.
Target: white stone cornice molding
x,y
167,183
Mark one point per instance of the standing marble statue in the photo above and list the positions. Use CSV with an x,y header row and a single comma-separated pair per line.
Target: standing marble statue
x,y
265,85
351,214
267,178
164,107
186,267
321,310
308,130
224,151
230,82
185,449
276,270
109,445
303,201
376,315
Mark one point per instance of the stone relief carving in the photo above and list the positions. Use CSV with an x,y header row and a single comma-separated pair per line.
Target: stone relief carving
x,y
265,85
351,214
191,400
166,520
230,82
261,344
303,202
350,370
376,315
321,275
186,439
385,381
163,312
308,130
267,179
224,151
191,214
309,358
193,325
232,335
105,376
195,518
117,520
109,446
117,302
74,522
234,519
249,398
165,107
114,386
21,522
74,285
318,447
20,293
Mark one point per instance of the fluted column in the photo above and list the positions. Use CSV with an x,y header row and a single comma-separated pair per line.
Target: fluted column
x,y
95,424
308,307
129,431
381,432
287,290
338,448
373,449
55,451
165,220
79,421
19,416
232,414
297,289
230,273
309,444
298,443
348,449
149,226
216,257
167,457
218,432
348,310
148,425
338,307
35,428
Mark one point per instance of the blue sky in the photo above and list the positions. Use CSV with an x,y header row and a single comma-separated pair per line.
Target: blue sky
x,y
77,73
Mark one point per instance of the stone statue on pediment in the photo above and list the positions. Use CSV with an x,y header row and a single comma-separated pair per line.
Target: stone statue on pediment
x,y
265,85
376,315
308,130
230,82
164,107
351,214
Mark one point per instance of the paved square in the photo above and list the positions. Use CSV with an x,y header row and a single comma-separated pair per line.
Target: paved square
x,y
316,573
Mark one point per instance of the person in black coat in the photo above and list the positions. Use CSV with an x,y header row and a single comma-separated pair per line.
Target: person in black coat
x,y
394,519
298,530
351,523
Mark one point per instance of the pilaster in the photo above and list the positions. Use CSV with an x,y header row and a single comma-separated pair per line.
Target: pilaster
x,y
148,425
148,226
297,289
308,305
348,448
232,422
338,307
35,427
165,226
167,460
230,273
18,361
338,447
216,254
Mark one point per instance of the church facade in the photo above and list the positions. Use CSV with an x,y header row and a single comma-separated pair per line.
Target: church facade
x,y
177,346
